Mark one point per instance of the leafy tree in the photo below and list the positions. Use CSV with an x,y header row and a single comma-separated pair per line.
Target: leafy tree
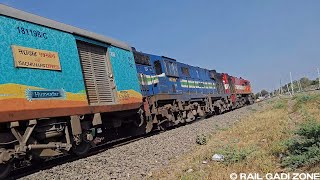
x,y
264,92
305,82
315,82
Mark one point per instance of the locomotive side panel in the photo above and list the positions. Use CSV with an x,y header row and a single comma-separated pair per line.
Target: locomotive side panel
x,y
150,72
110,75
125,76
40,69
147,78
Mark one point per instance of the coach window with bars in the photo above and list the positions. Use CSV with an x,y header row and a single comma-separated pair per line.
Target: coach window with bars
x,y
171,68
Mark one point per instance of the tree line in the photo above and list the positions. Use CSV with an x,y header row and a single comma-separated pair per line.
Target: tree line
x,y
303,84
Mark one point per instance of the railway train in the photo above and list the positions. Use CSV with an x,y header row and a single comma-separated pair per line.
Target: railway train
x,y
64,90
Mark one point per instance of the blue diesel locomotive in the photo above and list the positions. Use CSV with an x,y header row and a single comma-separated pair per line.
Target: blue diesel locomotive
x,y
175,92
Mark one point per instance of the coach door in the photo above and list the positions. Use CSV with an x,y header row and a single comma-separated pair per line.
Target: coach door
x,y
97,73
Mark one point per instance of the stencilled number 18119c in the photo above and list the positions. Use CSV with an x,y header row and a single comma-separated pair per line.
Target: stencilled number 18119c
x,y
31,32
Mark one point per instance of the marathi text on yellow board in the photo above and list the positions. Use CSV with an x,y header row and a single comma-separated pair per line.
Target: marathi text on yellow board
x,y
35,58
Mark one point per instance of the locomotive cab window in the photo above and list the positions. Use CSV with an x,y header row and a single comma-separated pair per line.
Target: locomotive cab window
x,y
141,59
171,68
157,67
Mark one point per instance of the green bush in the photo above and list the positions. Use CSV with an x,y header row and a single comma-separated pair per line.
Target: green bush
x,y
279,105
304,148
235,154
202,139
278,148
303,98
310,130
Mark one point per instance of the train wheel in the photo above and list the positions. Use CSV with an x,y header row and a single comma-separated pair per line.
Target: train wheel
x,y
202,117
179,119
5,169
217,110
37,160
81,149
164,125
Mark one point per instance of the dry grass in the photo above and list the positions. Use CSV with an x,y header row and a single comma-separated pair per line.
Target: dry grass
x,y
255,144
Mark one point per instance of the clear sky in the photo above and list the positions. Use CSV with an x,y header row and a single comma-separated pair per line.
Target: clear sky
x,y
259,40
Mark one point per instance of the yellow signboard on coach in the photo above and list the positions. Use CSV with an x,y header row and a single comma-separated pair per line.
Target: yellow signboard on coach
x,y
35,58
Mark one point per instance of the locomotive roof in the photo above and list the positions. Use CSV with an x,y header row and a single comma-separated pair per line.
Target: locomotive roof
x,y
18,14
